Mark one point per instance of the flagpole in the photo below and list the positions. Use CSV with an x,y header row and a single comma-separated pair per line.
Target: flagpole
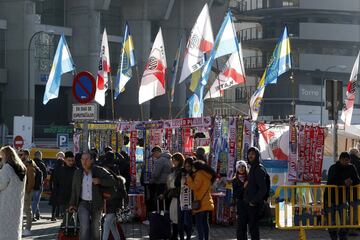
x,y
170,104
217,77
138,81
187,103
112,97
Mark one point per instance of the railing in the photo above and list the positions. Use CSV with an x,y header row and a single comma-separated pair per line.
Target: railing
x,y
254,62
250,33
242,94
317,207
248,5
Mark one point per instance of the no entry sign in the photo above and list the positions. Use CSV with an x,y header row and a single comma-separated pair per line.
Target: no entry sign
x,y
18,142
84,87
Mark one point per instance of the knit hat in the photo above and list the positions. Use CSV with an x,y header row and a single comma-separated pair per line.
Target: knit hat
x,y
241,163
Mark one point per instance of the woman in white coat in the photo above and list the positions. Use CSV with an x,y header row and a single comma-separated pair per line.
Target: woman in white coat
x,y
12,190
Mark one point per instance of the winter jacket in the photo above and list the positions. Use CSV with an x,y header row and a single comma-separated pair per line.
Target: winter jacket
x,y
355,160
97,199
256,189
161,169
124,168
118,195
337,176
30,175
62,183
12,192
40,163
200,183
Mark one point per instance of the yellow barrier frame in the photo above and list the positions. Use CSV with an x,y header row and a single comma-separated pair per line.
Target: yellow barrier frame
x,y
304,207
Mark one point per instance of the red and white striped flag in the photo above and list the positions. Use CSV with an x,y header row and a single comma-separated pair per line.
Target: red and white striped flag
x,y
153,80
103,71
346,114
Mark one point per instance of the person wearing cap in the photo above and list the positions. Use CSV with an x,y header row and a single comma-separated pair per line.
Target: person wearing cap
x,y
343,174
63,180
239,184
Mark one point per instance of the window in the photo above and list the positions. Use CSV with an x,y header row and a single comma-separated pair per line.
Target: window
x,y
51,11
2,48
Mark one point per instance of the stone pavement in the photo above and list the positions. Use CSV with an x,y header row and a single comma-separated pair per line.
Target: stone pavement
x,y
45,229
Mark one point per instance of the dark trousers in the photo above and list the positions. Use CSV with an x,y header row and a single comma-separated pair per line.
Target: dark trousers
x,y
248,216
334,232
202,225
185,224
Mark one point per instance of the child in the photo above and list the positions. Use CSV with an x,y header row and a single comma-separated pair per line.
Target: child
x,y
239,183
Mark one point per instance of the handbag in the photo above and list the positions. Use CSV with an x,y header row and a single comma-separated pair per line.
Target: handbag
x,y
196,204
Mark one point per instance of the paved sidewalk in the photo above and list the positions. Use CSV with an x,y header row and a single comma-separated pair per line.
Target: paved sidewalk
x,y
45,229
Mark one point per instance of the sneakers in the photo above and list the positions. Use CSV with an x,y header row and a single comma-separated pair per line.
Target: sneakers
x,y
26,233
146,222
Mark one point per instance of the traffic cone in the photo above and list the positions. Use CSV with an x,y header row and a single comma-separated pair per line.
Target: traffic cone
x,y
302,235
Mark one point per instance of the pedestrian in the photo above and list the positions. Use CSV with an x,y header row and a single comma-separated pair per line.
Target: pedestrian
x,y
255,193
39,185
342,174
200,154
86,196
160,171
355,159
173,192
30,183
54,197
239,184
123,161
12,192
185,216
116,199
63,181
200,182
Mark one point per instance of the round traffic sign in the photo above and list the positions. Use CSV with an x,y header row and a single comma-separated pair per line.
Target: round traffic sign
x,y
84,87
18,142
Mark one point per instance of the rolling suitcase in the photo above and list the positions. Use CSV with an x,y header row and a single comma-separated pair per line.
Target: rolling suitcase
x,y
69,229
160,224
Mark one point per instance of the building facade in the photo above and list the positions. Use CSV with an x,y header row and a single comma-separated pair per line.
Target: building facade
x,y
29,33
325,40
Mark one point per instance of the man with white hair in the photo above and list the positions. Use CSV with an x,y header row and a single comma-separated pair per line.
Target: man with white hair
x,y
355,160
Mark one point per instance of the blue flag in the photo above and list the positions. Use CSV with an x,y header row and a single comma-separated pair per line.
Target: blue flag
x,y
62,63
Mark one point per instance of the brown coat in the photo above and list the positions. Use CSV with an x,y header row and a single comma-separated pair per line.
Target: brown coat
x,y
30,175
201,186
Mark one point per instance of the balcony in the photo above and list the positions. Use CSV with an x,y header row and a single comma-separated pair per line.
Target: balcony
x,y
243,5
243,94
253,33
254,62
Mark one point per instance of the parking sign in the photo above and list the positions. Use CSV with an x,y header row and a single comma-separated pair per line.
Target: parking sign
x,y
62,140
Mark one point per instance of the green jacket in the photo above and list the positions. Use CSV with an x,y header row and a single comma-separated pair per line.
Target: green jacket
x,y
97,199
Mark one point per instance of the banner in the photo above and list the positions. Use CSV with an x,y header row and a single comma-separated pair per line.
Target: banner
x,y
224,148
188,123
201,142
239,138
147,157
319,154
302,146
133,142
247,138
168,138
293,153
274,141
232,148
76,140
307,154
216,146
187,141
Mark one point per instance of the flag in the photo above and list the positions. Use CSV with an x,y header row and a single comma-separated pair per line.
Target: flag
x,y
201,41
174,71
346,114
62,63
225,43
102,80
279,63
196,104
195,78
232,74
153,80
127,61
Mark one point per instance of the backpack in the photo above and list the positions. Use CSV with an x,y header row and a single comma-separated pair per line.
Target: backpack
x,y
38,178
268,184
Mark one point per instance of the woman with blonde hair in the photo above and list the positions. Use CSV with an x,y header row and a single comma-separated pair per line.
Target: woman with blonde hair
x,y
12,191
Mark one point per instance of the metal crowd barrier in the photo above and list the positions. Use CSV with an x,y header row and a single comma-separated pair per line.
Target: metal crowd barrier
x,y
306,207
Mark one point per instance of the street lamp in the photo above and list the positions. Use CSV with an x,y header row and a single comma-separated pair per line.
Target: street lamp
x,y
342,67
28,73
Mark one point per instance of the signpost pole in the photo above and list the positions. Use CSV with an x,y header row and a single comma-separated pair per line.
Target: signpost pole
x,y
138,80
86,136
112,97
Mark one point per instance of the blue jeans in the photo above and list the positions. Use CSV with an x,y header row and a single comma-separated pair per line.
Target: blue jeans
x,y
89,219
35,201
202,225
110,226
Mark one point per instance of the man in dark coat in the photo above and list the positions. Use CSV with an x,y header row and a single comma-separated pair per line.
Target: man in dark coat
x,y
255,192
55,212
355,160
123,160
63,181
343,174
37,193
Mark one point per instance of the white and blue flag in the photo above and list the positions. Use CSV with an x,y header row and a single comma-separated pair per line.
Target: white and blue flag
x,y
62,63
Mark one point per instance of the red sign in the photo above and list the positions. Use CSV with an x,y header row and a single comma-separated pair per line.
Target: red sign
x,y
84,87
18,142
